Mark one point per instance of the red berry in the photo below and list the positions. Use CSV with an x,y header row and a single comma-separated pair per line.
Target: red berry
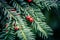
x,y
29,1
6,25
31,19
13,9
6,30
28,17
16,28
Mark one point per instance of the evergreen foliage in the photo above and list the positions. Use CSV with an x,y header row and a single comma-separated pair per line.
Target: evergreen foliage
x,y
13,14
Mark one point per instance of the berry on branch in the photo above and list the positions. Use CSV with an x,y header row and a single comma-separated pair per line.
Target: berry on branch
x,y
28,17
29,1
13,9
31,20
6,30
6,25
16,28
